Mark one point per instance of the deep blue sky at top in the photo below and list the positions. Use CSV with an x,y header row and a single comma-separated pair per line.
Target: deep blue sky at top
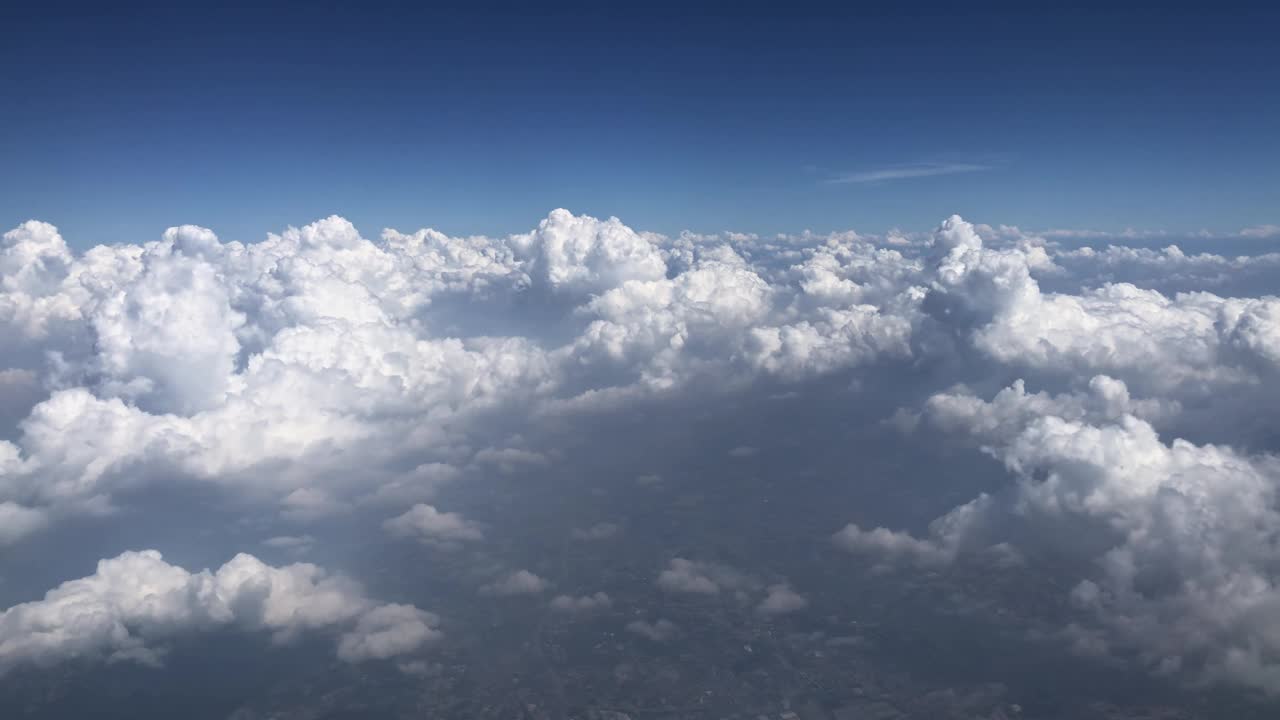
x,y
118,121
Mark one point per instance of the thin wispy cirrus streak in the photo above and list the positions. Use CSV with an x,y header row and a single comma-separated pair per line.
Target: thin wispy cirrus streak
x,y
907,172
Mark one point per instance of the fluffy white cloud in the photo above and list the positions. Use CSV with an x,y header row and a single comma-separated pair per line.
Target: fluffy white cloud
x,y
424,522
582,254
320,352
34,264
1170,267
135,602
1104,399
1139,335
321,373
387,631
890,544
520,582
582,603
686,577
780,600
702,578
166,337
1174,541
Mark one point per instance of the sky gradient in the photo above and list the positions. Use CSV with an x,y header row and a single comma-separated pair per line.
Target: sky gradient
x,y
123,121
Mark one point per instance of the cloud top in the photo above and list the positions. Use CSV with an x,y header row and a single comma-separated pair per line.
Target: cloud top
x,y
1127,393
135,602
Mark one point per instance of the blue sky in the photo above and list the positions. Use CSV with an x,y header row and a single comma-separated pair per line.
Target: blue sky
x,y
121,122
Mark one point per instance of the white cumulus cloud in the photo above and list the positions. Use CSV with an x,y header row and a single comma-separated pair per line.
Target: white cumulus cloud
x,y
135,602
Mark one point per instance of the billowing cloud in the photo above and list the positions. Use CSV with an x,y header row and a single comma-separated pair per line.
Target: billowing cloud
x,y
1173,541
135,602
323,379
1167,344
582,254
339,359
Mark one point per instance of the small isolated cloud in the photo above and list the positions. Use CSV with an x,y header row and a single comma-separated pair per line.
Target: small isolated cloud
x,y
686,577
581,604
907,172
386,632
744,451
520,582
660,631
701,578
599,531
890,546
781,599
425,523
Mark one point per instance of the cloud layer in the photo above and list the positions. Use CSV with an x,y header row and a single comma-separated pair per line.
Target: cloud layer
x,y
1128,393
